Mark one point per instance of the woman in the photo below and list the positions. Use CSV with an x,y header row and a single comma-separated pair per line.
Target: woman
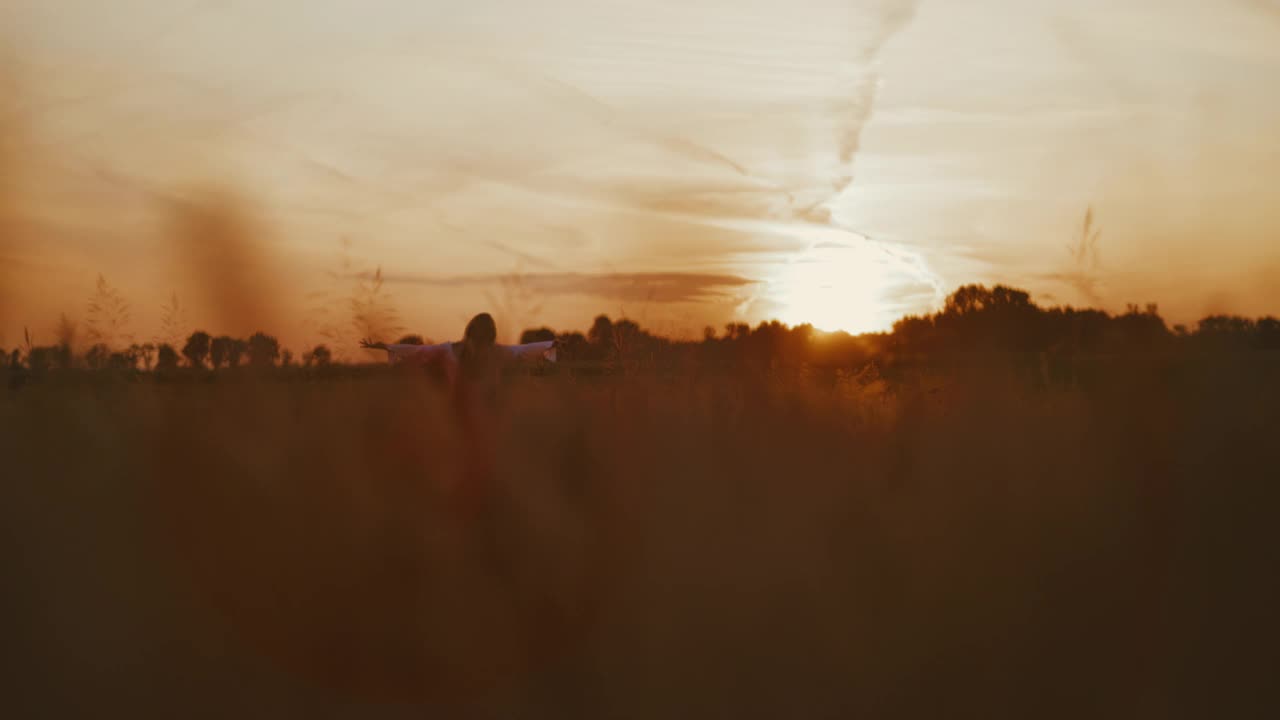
x,y
478,343
470,369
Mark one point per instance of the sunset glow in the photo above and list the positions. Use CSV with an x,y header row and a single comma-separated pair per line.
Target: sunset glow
x,y
957,142
837,287
505,359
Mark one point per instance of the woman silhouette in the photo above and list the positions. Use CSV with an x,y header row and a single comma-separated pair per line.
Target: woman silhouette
x,y
477,350
470,370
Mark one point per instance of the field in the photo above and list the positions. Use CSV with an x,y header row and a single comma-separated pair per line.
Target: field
x,y
724,545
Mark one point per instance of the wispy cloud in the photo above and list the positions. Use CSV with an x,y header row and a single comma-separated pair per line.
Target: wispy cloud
x,y
624,287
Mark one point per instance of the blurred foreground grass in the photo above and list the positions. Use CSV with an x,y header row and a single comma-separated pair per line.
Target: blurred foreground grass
x,y
722,547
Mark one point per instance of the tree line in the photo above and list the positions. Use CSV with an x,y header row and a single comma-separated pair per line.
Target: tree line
x,y
200,351
974,318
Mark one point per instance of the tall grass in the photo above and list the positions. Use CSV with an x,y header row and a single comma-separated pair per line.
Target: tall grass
x,y
648,547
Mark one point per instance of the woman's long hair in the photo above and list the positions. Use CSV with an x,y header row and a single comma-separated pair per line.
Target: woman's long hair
x,y
476,354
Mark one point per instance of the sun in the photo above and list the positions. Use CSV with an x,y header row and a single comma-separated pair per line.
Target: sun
x,y
837,287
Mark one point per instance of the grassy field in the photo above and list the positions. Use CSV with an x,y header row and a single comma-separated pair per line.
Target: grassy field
x,y
728,546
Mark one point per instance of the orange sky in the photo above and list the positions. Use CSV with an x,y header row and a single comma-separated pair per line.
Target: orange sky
x,y
833,161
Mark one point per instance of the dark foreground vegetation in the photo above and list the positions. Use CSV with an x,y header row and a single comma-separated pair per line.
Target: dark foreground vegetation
x,y
997,511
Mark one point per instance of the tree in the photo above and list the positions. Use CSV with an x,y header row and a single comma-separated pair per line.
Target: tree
x,y
132,355
219,350
166,358
1267,333
197,348
286,358
573,346
263,350
42,358
914,333
236,349
976,298
736,331
122,360
601,332
601,341
97,356
320,356
627,338
998,318
1140,327
542,334
61,356
143,352
1226,331
410,340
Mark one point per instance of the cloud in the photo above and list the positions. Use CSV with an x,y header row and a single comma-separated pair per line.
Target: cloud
x,y
626,287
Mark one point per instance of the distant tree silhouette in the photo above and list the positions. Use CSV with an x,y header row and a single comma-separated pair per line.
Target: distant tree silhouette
x,y
219,351
573,347
121,360
197,348
41,359
166,358
1267,333
319,356
236,349
601,332
410,340
144,352
976,298
17,373
600,339
61,357
979,318
97,356
264,350
977,326
1226,332
629,342
542,334
914,333
1139,328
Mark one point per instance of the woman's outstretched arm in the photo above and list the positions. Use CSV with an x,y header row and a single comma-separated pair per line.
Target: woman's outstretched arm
x,y
397,353
532,351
